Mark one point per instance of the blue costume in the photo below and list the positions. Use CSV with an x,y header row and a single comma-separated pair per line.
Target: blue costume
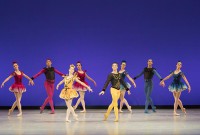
x,y
177,85
148,75
123,75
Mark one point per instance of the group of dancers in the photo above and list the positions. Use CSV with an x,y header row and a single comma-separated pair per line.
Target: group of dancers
x,y
74,82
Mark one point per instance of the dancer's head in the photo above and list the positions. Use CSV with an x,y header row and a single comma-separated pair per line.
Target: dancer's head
x,y
71,69
48,62
114,66
15,65
123,64
179,64
79,65
150,62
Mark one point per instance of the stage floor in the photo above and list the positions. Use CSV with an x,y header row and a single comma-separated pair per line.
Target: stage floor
x,y
161,122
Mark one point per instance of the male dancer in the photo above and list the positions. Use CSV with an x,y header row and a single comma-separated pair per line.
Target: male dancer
x,y
48,84
149,72
115,78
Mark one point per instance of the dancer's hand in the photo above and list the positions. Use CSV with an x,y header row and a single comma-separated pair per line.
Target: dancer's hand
x,y
134,85
95,84
57,87
101,93
89,89
129,93
189,89
162,83
2,85
31,82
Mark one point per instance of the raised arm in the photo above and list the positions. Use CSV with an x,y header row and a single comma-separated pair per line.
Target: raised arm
x,y
38,74
186,81
8,78
30,80
138,75
155,72
59,73
89,78
61,82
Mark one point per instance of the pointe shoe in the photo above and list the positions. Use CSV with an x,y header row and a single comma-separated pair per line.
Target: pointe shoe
x,y
68,120
129,108
10,112
41,110
84,111
19,115
176,114
184,110
120,111
105,117
76,117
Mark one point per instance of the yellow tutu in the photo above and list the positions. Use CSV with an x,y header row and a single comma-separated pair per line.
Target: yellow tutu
x,y
68,94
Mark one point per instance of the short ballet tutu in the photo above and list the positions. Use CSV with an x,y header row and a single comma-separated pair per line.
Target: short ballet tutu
x,y
177,87
127,84
68,94
80,87
17,88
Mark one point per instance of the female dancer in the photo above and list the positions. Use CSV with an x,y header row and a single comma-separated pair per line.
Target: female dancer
x,y
17,88
122,92
177,86
115,78
68,93
82,89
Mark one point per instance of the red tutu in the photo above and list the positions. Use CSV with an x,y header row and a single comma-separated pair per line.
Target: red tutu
x,y
81,77
17,86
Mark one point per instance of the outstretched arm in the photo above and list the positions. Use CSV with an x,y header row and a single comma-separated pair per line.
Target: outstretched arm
x,y
186,81
30,80
131,80
58,72
155,72
89,78
82,83
38,74
138,75
162,83
8,78
61,82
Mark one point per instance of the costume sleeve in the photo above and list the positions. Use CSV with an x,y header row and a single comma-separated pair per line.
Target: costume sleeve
x,y
155,72
38,74
138,75
58,72
107,82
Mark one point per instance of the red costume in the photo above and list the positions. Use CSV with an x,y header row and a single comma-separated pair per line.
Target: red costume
x,y
81,77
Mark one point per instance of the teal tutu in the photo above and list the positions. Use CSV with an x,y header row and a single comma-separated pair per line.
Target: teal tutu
x,y
177,87
127,84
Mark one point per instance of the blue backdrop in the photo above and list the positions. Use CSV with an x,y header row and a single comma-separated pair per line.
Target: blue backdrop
x,y
98,32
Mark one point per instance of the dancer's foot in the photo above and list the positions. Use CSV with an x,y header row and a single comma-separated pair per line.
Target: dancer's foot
x,y
154,109
146,111
84,111
184,110
75,117
129,108
74,107
52,112
176,114
68,120
19,115
120,111
116,120
41,110
10,112
105,117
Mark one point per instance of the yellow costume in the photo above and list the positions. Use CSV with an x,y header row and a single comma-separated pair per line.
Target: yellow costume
x,y
68,92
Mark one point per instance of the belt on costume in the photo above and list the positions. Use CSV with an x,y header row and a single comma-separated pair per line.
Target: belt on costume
x,y
147,80
51,81
115,88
